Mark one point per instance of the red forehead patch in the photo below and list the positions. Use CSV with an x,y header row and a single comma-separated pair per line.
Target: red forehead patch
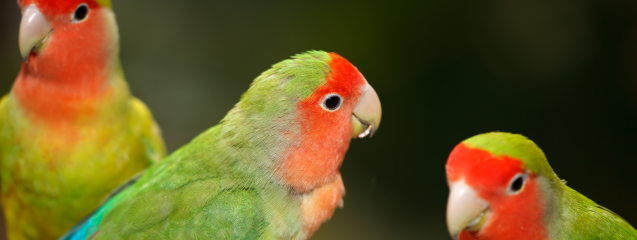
x,y
344,78
54,7
481,169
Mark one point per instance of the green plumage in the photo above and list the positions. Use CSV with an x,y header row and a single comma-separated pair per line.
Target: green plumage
x,y
569,214
577,217
222,184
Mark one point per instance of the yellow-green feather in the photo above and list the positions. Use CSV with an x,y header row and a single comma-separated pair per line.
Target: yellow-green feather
x,y
54,174
104,3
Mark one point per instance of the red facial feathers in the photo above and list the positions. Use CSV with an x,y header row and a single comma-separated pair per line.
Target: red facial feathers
x,y
56,7
513,216
69,73
325,135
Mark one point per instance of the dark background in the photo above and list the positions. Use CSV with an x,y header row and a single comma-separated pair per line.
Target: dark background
x,y
563,73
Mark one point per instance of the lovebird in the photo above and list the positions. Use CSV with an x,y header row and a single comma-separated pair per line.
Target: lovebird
x,y
268,170
502,187
70,131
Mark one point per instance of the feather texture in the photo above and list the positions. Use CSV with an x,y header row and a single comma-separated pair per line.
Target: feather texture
x,y
224,184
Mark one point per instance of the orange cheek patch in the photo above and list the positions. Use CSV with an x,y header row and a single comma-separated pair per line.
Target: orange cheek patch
x,y
517,217
324,137
319,205
318,156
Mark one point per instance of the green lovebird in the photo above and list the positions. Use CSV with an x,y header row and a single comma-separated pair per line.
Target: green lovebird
x,y
269,170
70,131
502,187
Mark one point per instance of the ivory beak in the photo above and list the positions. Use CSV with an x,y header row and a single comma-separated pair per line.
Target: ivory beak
x,y
367,113
465,210
34,30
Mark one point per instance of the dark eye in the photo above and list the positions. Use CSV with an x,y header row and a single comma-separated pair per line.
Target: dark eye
x,y
332,102
81,12
517,183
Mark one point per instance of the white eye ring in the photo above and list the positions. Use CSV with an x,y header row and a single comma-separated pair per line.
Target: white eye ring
x,y
517,183
83,15
332,102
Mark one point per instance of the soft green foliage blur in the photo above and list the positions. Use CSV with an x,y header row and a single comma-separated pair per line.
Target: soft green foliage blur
x,y
563,73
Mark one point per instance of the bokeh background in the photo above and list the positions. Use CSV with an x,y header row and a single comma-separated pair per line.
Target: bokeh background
x,y
563,73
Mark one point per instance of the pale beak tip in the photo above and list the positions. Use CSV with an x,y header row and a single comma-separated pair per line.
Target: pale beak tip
x,y
465,209
25,56
367,114
374,128
454,233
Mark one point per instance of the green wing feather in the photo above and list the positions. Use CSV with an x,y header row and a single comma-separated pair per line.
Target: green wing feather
x,y
222,185
187,199
579,218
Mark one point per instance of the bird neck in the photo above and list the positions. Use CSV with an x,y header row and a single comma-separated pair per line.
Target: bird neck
x,y
83,97
574,216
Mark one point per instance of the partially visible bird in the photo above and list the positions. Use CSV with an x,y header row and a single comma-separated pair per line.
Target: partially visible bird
x,y
502,187
70,131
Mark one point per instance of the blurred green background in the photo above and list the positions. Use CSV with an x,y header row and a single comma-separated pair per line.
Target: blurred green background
x,y
563,73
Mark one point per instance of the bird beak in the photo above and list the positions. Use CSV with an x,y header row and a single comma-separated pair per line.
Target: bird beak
x,y
465,210
34,30
367,113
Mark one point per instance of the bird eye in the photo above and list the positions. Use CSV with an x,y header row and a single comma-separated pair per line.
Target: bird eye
x,y
517,183
81,12
332,102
